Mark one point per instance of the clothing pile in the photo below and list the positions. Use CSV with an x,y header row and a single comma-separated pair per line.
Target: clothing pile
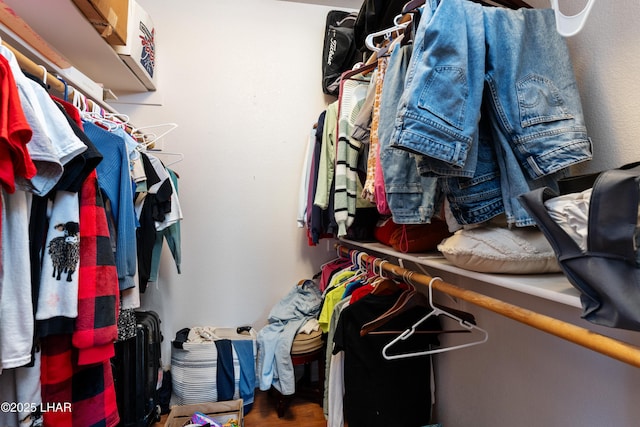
x,y
275,340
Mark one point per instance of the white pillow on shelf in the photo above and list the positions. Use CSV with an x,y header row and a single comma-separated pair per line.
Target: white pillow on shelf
x,y
493,249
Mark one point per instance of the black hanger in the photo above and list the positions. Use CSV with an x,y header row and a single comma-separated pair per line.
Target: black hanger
x,y
412,5
511,4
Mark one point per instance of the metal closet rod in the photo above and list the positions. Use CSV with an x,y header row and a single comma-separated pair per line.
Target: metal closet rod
x,y
611,347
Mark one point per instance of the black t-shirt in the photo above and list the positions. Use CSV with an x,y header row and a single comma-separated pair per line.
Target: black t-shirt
x,y
380,392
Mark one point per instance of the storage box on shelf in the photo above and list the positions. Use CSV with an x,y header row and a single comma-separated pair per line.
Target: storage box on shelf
x,y
80,44
139,52
108,17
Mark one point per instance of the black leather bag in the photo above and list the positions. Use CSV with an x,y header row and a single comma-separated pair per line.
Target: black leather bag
x,y
606,273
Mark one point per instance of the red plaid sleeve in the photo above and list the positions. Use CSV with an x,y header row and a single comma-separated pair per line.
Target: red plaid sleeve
x,y
98,294
88,391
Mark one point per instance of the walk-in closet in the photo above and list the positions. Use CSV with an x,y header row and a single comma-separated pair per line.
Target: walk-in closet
x,y
314,202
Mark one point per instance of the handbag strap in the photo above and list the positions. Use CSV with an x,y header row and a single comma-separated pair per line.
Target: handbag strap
x,y
613,214
563,245
579,183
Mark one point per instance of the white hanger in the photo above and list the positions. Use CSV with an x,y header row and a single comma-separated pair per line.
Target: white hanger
x,y
153,138
568,26
45,74
180,156
77,101
435,311
368,41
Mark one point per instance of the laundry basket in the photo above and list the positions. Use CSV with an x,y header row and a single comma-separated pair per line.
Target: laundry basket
x,y
220,365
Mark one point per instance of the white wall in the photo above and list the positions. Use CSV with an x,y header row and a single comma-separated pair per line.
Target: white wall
x,y
243,83
522,377
242,80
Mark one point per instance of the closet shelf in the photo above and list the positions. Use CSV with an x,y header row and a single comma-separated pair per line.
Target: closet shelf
x,y
350,4
67,31
552,287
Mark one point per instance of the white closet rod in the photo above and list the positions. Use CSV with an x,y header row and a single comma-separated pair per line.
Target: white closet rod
x,y
611,347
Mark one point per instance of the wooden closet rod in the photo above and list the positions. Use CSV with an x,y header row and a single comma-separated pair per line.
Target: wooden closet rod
x,y
611,347
32,68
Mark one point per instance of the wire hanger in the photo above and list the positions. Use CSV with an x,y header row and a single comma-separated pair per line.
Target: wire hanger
x,y
149,139
91,111
407,300
435,311
180,156
569,26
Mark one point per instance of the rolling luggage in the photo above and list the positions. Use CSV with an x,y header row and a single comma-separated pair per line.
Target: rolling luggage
x,y
136,368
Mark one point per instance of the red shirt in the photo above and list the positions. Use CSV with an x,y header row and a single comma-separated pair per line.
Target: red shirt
x,y
15,132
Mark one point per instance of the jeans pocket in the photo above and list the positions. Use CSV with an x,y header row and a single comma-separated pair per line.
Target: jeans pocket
x,y
445,95
540,101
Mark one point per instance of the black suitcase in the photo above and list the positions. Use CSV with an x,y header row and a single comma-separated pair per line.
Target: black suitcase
x,y
135,372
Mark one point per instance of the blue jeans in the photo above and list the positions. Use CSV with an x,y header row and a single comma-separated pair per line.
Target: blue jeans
x,y
536,112
274,340
516,66
439,109
479,198
410,196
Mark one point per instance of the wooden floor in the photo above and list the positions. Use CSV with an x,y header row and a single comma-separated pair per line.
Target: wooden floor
x,y
301,413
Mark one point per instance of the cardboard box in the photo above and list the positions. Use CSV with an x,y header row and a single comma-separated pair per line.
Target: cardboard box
x,y
139,53
108,17
219,411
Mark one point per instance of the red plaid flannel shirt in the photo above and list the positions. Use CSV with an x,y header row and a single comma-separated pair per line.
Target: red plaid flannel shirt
x,y
98,296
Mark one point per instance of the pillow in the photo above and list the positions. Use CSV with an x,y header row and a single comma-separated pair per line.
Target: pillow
x,y
500,250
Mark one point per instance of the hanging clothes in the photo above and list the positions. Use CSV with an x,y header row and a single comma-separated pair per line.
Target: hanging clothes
x,y
307,173
60,263
321,223
16,306
368,188
98,298
86,390
168,230
153,206
380,392
15,162
115,180
348,187
82,313
440,109
411,198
